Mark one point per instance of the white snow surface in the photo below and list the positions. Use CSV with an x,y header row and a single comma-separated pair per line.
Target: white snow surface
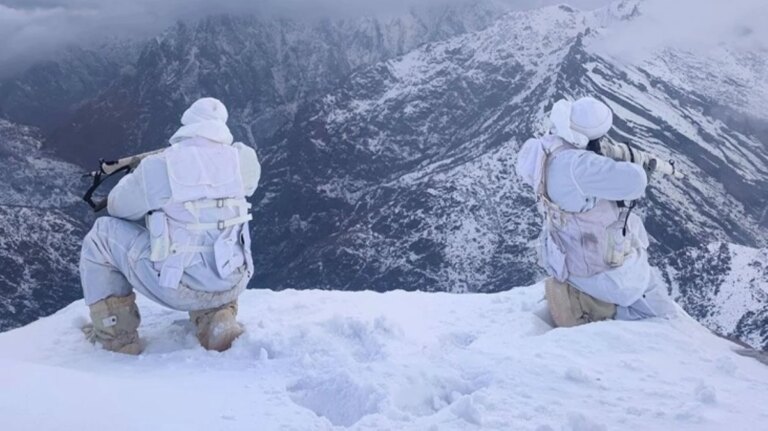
x,y
317,360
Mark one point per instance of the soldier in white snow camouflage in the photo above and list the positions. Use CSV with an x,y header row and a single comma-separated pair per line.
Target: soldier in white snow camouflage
x,y
592,245
178,234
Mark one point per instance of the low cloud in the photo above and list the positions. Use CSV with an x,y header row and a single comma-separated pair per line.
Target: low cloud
x,y
719,40
32,30
698,26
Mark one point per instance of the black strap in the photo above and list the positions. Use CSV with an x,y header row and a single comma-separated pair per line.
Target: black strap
x,y
98,179
632,204
631,152
594,146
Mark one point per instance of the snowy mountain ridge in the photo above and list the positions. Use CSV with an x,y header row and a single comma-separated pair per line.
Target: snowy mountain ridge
x,y
399,144
262,67
705,48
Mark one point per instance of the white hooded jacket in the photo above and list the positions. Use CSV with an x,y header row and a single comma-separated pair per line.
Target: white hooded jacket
x,y
577,190
187,192
581,182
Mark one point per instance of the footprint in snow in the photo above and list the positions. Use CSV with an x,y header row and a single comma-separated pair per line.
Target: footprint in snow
x,y
337,398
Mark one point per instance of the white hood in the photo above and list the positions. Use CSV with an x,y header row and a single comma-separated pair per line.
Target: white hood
x,y
581,121
206,118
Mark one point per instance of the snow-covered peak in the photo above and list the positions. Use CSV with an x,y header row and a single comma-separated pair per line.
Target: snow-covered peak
x,y
616,13
312,360
705,47
517,40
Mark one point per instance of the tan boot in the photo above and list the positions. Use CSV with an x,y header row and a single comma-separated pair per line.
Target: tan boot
x,y
217,327
114,324
592,308
570,307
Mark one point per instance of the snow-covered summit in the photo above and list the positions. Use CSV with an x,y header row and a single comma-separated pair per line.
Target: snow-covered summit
x,y
313,360
707,48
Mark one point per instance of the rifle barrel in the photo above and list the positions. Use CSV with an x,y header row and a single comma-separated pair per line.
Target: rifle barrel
x,y
110,167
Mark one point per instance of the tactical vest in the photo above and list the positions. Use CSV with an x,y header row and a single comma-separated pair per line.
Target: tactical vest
x,y
207,213
579,244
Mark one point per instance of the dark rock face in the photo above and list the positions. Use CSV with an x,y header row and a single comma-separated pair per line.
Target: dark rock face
x,y
41,228
38,254
725,287
262,68
752,327
48,93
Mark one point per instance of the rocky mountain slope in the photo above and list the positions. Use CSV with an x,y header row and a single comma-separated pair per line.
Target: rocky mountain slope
x,y
262,67
406,170
41,227
725,287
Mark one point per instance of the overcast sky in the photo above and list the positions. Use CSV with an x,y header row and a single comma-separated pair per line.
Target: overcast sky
x,y
35,29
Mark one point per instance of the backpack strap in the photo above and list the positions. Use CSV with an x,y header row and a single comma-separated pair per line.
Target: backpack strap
x,y
221,224
541,191
243,206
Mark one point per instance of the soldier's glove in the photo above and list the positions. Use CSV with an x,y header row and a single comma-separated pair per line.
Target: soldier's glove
x,y
650,167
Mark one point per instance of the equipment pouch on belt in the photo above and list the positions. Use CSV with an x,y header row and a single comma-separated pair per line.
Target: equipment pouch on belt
x,y
228,252
160,239
552,256
618,241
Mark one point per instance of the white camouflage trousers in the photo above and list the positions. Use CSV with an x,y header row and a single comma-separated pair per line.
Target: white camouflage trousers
x,y
115,260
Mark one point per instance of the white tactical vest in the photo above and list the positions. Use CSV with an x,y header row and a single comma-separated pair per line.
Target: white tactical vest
x,y
207,215
581,244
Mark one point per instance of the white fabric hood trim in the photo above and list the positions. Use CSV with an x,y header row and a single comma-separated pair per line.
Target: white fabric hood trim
x,y
529,159
206,118
213,131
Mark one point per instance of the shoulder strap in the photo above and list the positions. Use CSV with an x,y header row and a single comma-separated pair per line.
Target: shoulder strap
x,y
551,151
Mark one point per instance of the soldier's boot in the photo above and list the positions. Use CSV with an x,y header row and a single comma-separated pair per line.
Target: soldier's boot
x,y
217,327
114,324
570,307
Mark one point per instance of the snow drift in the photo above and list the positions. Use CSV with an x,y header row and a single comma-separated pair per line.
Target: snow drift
x,y
313,360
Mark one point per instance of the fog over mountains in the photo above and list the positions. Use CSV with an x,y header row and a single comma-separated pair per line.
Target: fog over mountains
x,y
388,145
35,30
